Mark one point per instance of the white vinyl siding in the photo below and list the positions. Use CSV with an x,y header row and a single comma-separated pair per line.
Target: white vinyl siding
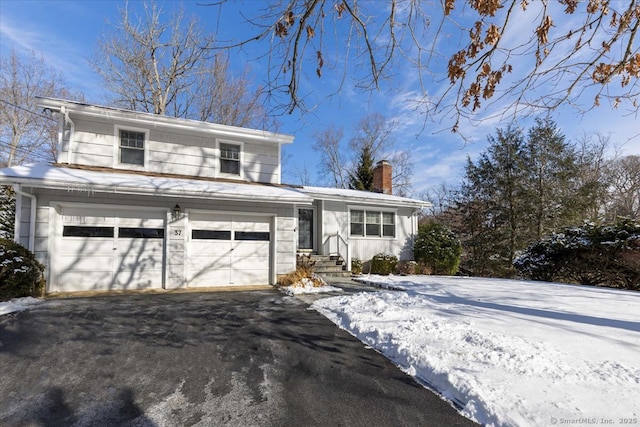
x,y
167,150
336,219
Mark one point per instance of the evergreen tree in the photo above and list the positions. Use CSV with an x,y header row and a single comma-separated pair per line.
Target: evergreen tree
x,y
7,212
519,190
552,192
490,203
362,178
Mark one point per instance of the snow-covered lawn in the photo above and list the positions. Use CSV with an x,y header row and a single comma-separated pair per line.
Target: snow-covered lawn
x,y
507,352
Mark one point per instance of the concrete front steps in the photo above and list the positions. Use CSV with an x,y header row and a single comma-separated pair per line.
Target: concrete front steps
x,y
324,265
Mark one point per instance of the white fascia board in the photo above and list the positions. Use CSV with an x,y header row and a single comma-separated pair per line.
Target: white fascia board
x,y
371,201
152,120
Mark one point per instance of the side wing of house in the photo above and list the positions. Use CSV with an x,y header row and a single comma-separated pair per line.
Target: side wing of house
x,y
358,224
369,229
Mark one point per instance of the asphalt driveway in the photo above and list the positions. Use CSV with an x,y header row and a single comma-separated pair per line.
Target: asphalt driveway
x,y
223,358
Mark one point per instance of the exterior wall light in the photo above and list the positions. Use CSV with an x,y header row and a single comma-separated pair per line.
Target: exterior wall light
x,y
177,212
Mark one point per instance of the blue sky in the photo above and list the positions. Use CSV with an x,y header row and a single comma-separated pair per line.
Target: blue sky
x,y
65,33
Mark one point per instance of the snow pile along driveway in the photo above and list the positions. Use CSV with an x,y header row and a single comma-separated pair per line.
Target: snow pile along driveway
x,y
507,352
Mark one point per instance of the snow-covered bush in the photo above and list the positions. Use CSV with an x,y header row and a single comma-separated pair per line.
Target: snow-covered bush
x,y
603,255
384,264
437,248
21,275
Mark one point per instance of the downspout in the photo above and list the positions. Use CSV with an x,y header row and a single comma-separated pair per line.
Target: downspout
x,y
32,218
72,132
414,228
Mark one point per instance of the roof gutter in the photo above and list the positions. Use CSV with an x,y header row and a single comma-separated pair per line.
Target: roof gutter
x,y
32,217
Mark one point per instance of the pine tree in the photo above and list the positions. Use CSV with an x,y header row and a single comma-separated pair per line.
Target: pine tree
x,y
362,179
491,203
551,188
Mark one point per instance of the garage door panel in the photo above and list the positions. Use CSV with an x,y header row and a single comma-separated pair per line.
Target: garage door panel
x,y
251,226
140,246
211,258
83,263
132,258
206,278
86,247
248,249
249,277
208,263
70,281
210,248
133,280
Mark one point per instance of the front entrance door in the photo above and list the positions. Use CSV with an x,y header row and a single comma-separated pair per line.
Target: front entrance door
x,y
306,235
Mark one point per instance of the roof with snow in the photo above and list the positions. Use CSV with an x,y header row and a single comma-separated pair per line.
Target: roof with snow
x,y
78,179
357,196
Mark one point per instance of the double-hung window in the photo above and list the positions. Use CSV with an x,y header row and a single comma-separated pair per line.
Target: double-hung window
x,y
132,147
372,223
230,159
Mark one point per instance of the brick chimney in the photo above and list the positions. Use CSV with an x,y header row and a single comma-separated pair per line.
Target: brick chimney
x,y
382,177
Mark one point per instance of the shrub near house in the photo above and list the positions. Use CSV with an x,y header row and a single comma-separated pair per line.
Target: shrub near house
x,y
597,255
20,272
438,249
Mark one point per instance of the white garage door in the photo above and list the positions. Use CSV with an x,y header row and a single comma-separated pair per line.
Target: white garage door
x,y
105,249
226,250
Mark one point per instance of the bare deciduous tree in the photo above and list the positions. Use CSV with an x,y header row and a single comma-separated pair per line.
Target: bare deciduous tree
x,y
534,55
333,158
25,133
339,160
624,187
165,65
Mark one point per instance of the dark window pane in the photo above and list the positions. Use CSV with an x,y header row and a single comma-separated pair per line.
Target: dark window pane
x,y
252,235
82,231
230,166
141,233
389,230
373,229
357,229
132,156
211,234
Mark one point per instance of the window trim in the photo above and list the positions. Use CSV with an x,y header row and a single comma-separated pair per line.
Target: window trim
x,y
116,148
381,225
219,172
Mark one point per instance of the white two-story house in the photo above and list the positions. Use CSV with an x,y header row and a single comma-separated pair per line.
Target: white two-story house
x,y
137,201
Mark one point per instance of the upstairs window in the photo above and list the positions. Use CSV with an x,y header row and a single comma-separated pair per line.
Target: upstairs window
x,y
132,147
230,159
372,223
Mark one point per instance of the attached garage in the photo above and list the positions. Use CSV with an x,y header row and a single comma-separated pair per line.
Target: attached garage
x,y
228,250
107,249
